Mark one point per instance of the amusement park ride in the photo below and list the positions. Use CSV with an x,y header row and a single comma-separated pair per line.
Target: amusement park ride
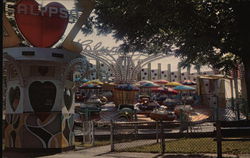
x,y
40,88
124,66
39,111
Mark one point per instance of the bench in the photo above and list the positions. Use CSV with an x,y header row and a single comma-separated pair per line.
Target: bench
x,y
229,130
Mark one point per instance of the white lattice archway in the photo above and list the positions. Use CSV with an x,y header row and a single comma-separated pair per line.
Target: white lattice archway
x,y
124,66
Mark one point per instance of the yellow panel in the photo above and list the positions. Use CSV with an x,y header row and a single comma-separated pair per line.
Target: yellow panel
x,y
10,38
68,43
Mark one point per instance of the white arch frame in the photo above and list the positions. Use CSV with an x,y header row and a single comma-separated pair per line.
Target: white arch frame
x,y
112,58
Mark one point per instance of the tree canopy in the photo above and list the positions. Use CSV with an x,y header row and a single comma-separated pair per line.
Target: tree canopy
x,y
199,31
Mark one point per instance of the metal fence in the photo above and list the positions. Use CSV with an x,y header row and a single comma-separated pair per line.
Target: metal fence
x,y
162,137
237,109
91,132
159,136
131,136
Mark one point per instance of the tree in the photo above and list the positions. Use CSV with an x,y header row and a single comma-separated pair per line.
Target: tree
x,y
199,31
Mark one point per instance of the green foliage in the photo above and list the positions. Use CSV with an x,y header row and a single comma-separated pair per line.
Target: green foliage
x,y
199,31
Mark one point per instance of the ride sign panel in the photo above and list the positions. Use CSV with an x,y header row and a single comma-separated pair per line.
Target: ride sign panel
x,y
41,26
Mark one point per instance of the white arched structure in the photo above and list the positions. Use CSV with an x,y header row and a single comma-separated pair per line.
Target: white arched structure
x,y
124,66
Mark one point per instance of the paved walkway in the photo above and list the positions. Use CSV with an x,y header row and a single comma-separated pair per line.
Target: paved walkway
x,y
104,152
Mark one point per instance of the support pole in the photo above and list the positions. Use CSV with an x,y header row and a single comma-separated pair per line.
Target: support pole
x,y
162,138
235,76
149,72
169,73
179,73
232,94
98,70
218,138
112,136
188,71
198,68
159,71
157,131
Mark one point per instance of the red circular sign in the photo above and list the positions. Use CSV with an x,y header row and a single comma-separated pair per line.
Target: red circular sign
x,y
41,26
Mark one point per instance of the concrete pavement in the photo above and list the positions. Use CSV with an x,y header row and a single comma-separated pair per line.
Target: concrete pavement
x,y
104,152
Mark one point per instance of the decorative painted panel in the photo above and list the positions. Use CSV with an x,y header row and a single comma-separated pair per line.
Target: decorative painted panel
x,y
154,74
14,97
184,76
41,130
144,74
174,76
164,75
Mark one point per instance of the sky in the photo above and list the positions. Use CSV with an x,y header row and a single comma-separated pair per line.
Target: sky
x,y
109,41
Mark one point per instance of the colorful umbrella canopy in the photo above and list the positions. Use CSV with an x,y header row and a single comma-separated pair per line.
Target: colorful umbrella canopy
x,y
84,80
158,89
90,86
173,84
139,83
184,88
127,87
111,83
149,85
188,82
94,82
171,90
161,82
77,79
164,90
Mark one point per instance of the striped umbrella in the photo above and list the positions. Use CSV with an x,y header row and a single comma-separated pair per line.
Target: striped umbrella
x,y
139,83
173,84
127,87
97,82
84,80
188,82
184,88
149,85
90,86
158,89
164,90
77,79
161,82
171,90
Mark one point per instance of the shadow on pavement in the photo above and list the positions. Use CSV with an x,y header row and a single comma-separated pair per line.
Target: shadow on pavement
x,y
13,154
182,156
